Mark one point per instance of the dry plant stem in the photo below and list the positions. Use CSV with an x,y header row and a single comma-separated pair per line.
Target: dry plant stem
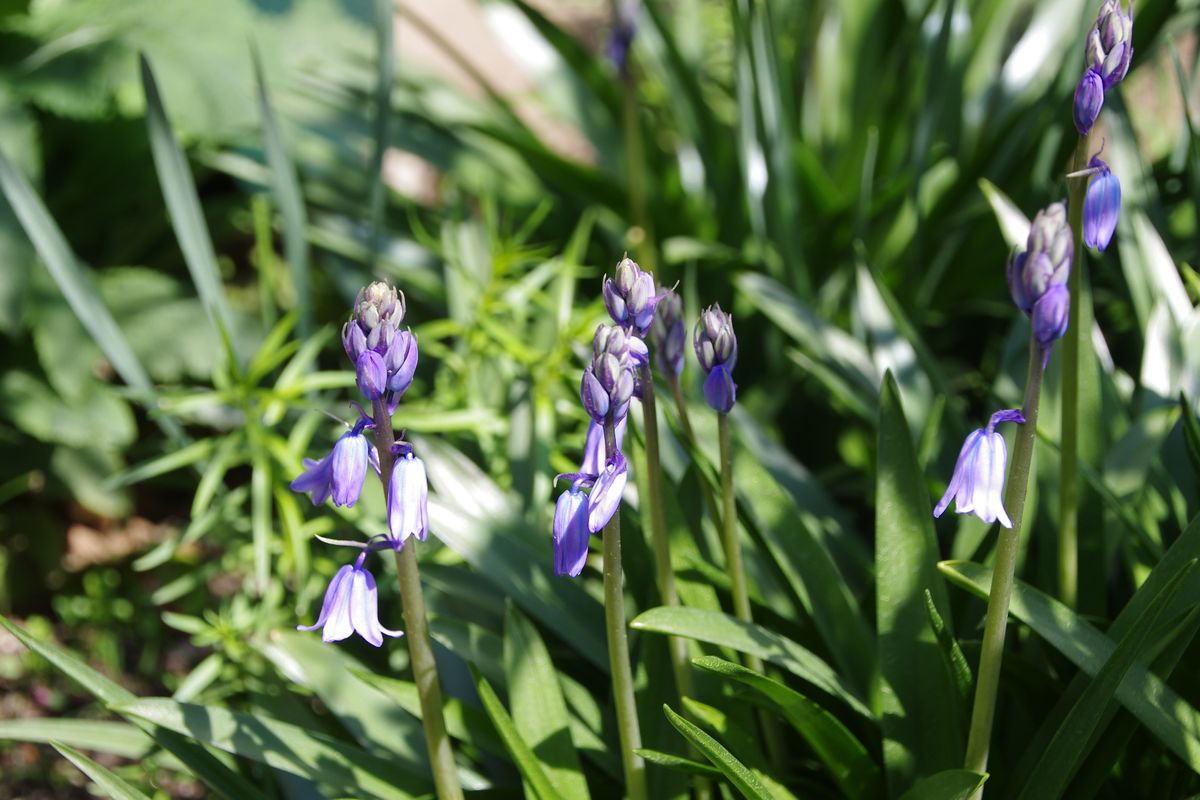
x,y
618,647
416,633
992,652
658,532
1068,531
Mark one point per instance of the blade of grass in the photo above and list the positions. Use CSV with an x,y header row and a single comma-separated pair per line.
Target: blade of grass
x,y
742,778
106,779
526,761
288,196
183,205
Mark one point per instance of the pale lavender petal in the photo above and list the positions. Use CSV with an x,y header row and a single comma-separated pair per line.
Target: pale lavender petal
x,y
570,533
334,594
408,513
316,479
349,468
606,494
594,454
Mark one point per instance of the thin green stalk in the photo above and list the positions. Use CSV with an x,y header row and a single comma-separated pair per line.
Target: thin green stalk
x,y
618,647
686,423
995,623
658,533
416,633
737,578
1068,530
642,235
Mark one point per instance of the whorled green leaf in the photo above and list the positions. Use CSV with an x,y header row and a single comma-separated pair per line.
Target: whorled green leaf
x,y
106,779
852,768
735,771
727,631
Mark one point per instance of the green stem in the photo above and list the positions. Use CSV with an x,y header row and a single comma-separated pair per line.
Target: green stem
x,y
737,578
441,756
642,233
658,532
685,422
984,711
618,646
1068,531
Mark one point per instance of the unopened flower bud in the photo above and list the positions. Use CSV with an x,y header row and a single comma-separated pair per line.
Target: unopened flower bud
x,y
1101,206
594,396
371,374
1109,46
1050,316
1089,97
627,272
716,349
668,333
401,362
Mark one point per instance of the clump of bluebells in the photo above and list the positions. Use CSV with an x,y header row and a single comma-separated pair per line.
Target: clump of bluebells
x,y
385,359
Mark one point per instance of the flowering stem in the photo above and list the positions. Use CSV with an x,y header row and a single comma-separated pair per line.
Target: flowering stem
x,y
441,756
635,171
658,532
984,711
1068,532
685,422
618,646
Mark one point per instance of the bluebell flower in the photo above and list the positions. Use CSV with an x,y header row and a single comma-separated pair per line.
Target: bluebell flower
x,y
571,532
1109,47
716,350
669,334
605,497
594,451
401,362
1046,260
631,299
378,312
408,498
608,382
1089,97
1101,206
341,473
351,605
1050,316
977,484
371,374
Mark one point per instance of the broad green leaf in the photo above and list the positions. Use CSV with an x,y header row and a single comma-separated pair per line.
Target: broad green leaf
x,y
538,709
727,631
672,761
735,771
118,738
77,287
847,760
108,782
951,784
918,704
1071,742
526,760
183,204
287,747
1168,716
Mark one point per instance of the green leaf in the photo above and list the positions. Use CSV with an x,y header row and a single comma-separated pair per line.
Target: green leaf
x,y
952,654
1191,435
855,773
672,761
288,197
728,631
183,204
1168,716
1014,225
1080,729
77,287
951,784
526,760
538,709
108,782
260,518
385,69
282,745
921,717
178,459
735,771
118,738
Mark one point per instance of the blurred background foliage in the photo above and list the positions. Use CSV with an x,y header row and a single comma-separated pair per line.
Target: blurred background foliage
x,y
848,177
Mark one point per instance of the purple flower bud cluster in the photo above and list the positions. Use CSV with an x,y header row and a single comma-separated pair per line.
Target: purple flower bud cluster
x,y
977,485
385,359
1107,54
716,350
669,334
631,299
1037,277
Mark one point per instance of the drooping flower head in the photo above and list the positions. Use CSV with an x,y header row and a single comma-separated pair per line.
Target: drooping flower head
x,y
408,496
375,327
630,298
668,333
341,473
1109,47
716,350
571,532
351,606
977,484
608,382
1101,205
1046,260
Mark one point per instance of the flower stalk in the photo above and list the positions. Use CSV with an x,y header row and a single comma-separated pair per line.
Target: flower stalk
x,y
424,667
628,729
995,623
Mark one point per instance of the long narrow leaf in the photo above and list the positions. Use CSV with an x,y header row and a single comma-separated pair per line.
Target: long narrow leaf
x,y
737,773
105,778
526,761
